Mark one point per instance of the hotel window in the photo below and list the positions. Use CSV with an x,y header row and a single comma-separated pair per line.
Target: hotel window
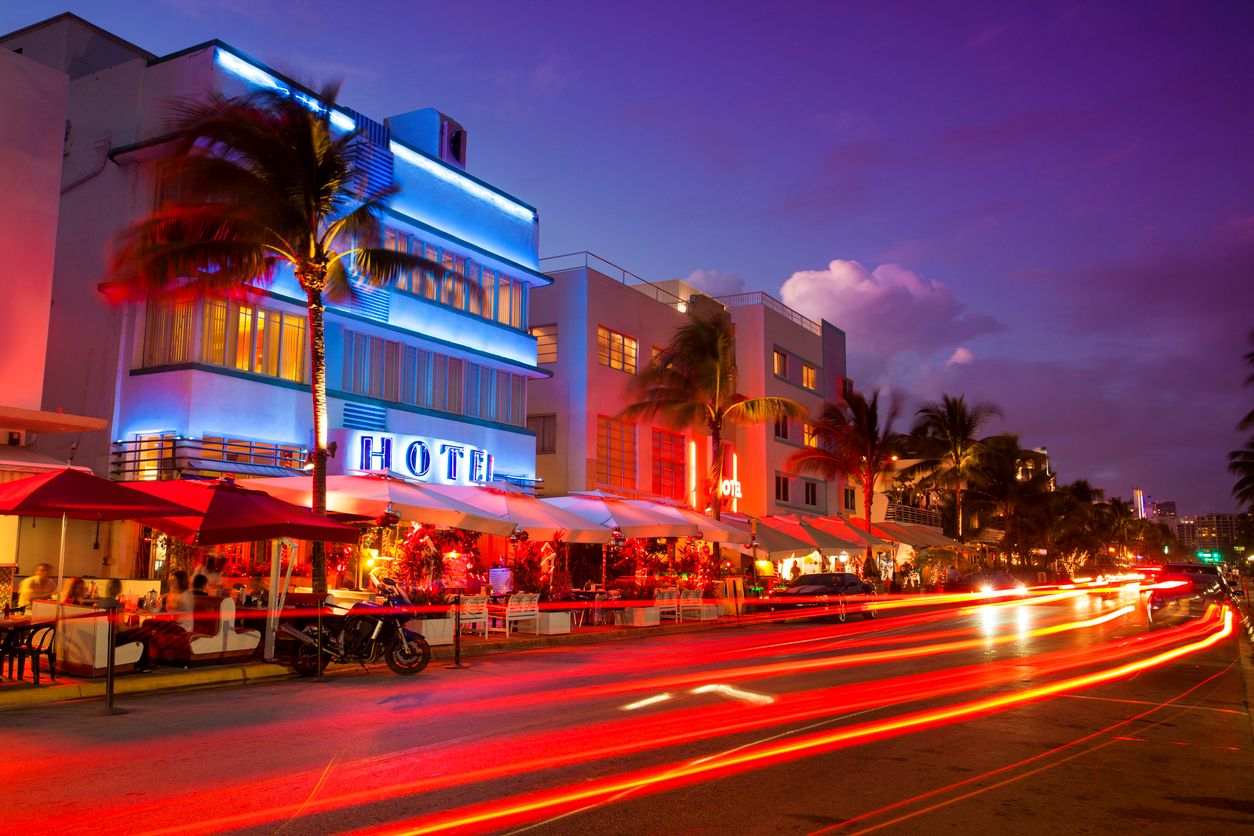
x,y
616,350
809,377
616,453
781,487
668,464
781,428
546,343
851,499
809,437
812,494
167,333
545,428
781,363
222,448
152,456
251,339
392,371
655,353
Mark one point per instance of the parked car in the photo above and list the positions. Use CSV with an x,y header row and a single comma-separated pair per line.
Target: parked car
x,y
829,592
1181,595
987,582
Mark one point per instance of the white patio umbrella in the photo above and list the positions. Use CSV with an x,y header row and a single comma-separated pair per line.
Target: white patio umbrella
x,y
630,518
371,495
541,520
710,529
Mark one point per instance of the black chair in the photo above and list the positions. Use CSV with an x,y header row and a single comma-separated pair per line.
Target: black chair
x,y
34,642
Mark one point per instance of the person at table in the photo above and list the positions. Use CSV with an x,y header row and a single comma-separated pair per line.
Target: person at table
x,y
74,591
112,592
179,599
38,586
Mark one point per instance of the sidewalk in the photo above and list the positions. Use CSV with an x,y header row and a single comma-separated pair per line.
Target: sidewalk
x,y
68,688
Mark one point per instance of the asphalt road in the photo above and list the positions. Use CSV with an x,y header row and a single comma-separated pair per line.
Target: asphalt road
x,y
1024,718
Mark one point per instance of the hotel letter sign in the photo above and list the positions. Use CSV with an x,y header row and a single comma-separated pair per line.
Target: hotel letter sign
x,y
429,459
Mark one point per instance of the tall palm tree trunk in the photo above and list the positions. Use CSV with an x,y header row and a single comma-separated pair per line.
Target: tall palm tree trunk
x,y
716,470
958,507
318,372
868,497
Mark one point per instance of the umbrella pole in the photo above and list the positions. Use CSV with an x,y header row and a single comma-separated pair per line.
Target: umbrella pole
x,y
65,524
272,601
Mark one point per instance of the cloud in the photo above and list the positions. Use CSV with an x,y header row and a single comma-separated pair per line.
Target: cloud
x,y
714,282
960,357
891,315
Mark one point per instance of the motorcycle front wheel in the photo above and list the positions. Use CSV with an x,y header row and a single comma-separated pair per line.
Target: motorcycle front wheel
x,y
407,662
305,659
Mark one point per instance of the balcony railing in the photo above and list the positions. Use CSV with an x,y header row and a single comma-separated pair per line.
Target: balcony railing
x,y
909,514
592,261
169,457
757,297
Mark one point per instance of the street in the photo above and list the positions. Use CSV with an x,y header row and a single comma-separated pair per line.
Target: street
x,y
1058,714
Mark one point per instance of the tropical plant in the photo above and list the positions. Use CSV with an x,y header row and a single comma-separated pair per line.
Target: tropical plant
x,y
1006,487
1241,462
944,436
852,442
265,182
692,383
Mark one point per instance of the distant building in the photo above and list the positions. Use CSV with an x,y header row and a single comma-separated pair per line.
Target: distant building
x,y
1165,513
598,326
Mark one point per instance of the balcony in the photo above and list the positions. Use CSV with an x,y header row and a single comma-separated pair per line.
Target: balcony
x,y
766,300
898,512
170,457
592,261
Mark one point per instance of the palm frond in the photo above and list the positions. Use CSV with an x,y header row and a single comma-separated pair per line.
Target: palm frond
x,y
759,410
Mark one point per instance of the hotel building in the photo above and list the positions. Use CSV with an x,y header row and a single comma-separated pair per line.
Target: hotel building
x,y
422,379
599,325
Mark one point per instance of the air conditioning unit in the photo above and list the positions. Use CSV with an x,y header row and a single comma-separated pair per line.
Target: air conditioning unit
x,y
15,438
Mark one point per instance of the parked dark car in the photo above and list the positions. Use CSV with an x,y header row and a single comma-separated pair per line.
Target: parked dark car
x,y
987,582
1181,595
829,592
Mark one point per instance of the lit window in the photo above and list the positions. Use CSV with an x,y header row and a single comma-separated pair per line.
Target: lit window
x,y
781,363
546,343
809,377
668,464
545,428
167,333
781,487
616,453
809,436
616,350
781,428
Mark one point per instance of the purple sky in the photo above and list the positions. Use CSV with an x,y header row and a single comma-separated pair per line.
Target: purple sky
x,y
1049,208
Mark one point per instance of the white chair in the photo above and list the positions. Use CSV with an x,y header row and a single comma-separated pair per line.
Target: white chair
x,y
474,612
521,606
690,604
667,603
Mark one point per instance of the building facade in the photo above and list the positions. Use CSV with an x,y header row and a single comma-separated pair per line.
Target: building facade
x,y
423,379
599,325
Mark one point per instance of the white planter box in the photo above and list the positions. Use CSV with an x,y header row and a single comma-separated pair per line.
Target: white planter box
x,y
435,630
710,612
640,617
554,623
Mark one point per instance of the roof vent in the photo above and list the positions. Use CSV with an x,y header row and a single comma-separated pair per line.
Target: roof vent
x,y
431,131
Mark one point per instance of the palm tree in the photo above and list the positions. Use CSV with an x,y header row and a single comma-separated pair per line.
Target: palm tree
x,y
263,182
945,435
692,383
1008,487
1241,462
851,443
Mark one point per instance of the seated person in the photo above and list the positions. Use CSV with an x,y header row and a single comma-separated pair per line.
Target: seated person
x,y
39,586
74,591
200,585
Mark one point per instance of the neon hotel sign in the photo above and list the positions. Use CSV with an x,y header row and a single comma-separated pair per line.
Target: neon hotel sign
x,y
428,459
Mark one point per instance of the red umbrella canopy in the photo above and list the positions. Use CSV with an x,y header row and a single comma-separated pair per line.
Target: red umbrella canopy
x,y
82,496
232,514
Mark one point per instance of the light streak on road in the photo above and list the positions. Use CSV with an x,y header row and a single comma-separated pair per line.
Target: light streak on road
x,y
528,807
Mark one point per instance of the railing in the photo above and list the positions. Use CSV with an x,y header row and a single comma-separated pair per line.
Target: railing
x,y
757,297
909,514
168,456
592,261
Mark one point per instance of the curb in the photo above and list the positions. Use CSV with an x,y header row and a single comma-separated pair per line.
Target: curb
x,y
190,678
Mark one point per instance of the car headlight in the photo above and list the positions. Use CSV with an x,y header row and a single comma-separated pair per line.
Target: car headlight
x,y
1021,590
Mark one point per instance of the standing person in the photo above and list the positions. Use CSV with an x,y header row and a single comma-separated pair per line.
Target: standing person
x,y
38,586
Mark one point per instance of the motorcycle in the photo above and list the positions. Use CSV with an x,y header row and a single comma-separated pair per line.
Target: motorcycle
x,y
363,634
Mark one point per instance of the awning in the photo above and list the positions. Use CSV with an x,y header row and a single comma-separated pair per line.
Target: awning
x,y
905,534
26,460
541,520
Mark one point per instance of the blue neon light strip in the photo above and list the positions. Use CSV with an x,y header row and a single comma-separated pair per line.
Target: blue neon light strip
x,y
255,75
461,181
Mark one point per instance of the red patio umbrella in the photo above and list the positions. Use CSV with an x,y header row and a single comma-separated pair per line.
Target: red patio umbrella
x,y
234,514
76,494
